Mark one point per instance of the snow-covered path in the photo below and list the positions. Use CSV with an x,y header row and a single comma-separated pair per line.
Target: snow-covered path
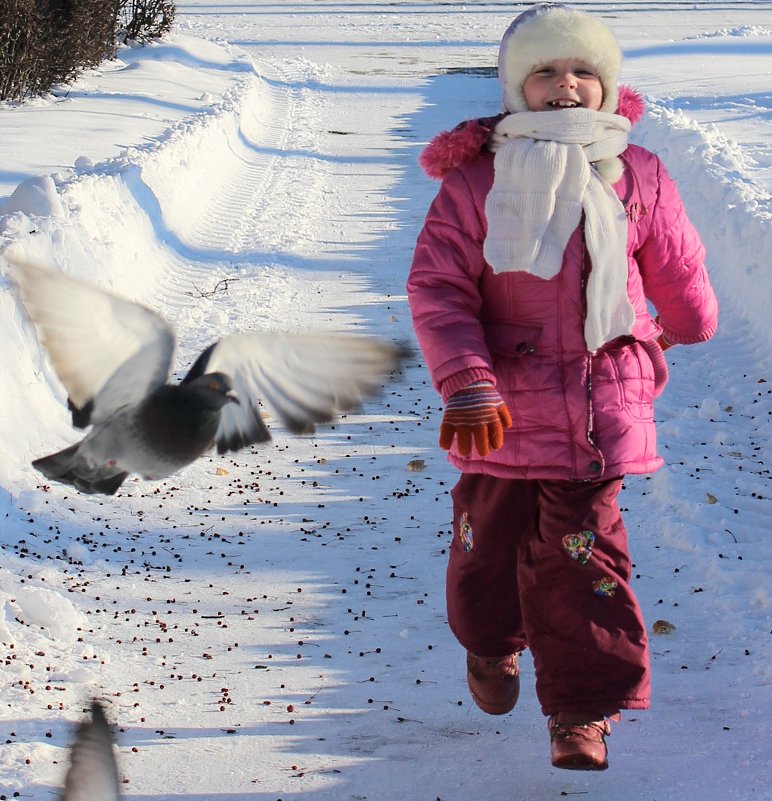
x,y
271,626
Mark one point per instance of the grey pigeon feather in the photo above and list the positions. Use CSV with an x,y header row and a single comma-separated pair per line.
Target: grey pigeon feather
x,y
113,357
93,772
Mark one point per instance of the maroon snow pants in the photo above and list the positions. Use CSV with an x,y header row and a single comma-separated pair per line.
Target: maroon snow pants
x,y
545,565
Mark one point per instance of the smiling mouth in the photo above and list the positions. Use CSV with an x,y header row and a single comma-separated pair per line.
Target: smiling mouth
x,y
564,104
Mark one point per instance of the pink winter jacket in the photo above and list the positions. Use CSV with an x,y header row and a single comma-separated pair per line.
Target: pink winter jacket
x,y
576,415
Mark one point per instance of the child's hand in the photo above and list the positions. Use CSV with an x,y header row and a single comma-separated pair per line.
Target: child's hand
x,y
661,341
478,413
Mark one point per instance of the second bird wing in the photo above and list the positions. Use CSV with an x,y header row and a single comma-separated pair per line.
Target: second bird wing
x,y
302,378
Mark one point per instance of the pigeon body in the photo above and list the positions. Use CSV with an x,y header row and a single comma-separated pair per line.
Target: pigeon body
x,y
93,772
168,430
113,357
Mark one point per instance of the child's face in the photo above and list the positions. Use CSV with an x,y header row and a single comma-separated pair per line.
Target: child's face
x,y
563,83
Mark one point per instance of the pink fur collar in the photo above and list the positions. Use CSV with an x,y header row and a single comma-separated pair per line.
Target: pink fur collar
x,y
453,148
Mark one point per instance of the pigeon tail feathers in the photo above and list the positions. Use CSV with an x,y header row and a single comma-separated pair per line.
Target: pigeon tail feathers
x,y
63,466
93,772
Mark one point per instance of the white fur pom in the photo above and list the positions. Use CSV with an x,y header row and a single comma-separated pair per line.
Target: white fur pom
x,y
611,169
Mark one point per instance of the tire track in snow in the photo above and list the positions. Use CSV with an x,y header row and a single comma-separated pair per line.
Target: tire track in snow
x,y
260,219
261,202
235,206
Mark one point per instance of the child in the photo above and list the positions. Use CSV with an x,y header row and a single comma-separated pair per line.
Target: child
x,y
528,291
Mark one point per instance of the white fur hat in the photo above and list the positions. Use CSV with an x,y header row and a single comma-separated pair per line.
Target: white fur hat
x,y
552,30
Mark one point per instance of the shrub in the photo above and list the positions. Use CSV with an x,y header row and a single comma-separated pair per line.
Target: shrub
x,y
81,35
140,20
20,39
45,42
49,42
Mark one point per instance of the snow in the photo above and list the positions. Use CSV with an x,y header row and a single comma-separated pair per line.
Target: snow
x,y
271,625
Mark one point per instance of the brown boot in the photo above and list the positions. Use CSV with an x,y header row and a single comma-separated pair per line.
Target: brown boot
x,y
494,682
579,746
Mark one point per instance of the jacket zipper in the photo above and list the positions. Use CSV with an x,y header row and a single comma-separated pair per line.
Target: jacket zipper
x,y
588,362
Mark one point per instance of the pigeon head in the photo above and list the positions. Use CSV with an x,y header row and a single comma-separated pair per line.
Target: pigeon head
x,y
211,390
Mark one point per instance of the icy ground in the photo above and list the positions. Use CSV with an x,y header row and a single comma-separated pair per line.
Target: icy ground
x,y
271,626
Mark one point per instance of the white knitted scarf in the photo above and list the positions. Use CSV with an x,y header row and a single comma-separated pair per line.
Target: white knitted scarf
x,y
549,167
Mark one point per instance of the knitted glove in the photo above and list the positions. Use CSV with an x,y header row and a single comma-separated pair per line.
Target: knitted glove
x,y
475,412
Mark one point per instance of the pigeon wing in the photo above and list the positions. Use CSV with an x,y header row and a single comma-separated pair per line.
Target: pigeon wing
x,y
302,378
107,351
93,773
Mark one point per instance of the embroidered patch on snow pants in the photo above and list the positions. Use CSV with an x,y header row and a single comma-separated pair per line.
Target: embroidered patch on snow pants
x,y
465,532
579,546
605,587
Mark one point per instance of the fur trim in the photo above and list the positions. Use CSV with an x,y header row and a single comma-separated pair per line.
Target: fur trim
x,y
454,148
451,149
631,104
549,31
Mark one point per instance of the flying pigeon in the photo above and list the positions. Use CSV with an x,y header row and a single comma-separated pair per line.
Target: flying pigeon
x,y
113,357
93,772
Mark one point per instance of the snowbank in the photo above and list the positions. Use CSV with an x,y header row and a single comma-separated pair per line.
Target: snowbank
x,y
732,213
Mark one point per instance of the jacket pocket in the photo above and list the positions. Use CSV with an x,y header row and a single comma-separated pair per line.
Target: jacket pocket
x,y
512,347
513,340
624,378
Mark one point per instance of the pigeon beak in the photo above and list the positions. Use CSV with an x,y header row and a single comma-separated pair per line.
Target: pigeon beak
x,y
232,396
